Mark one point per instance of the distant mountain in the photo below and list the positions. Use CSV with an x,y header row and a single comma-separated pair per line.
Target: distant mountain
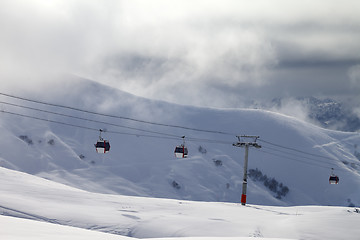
x,y
332,114
292,167
327,113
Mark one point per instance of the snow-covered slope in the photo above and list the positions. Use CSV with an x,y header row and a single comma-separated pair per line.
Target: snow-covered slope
x,y
31,198
146,166
21,229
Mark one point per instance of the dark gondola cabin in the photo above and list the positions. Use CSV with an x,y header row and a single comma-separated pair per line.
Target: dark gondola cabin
x,y
181,151
333,179
102,146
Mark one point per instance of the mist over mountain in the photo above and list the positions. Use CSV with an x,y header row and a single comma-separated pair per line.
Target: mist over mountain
x,y
324,112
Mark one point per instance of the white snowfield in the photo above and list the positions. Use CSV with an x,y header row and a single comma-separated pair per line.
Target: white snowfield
x,y
57,207
51,174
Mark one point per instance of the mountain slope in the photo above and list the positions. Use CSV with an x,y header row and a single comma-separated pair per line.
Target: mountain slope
x,y
29,197
141,164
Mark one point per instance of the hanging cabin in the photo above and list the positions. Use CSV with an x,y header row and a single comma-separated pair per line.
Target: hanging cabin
x,y
333,179
181,151
102,146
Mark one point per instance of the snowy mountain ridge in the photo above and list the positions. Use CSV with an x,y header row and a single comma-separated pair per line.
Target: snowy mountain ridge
x,y
143,164
324,112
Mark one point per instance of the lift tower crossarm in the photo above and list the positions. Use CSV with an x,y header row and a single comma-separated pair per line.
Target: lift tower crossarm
x,y
246,144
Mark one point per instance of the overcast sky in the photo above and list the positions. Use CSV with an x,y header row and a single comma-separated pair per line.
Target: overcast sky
x,y
207,53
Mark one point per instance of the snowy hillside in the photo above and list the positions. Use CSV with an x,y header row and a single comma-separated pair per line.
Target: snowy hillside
x,y
296,157
62,212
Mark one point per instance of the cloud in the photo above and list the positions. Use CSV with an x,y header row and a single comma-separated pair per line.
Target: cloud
x,y
41,38
291,107
354,75
208,53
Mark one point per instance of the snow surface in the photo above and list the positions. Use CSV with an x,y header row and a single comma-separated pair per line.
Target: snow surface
x,y
18,229
32,198
146,167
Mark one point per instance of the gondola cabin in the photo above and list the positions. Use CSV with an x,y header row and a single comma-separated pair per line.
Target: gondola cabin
x,y
181,151
102,146
333,179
